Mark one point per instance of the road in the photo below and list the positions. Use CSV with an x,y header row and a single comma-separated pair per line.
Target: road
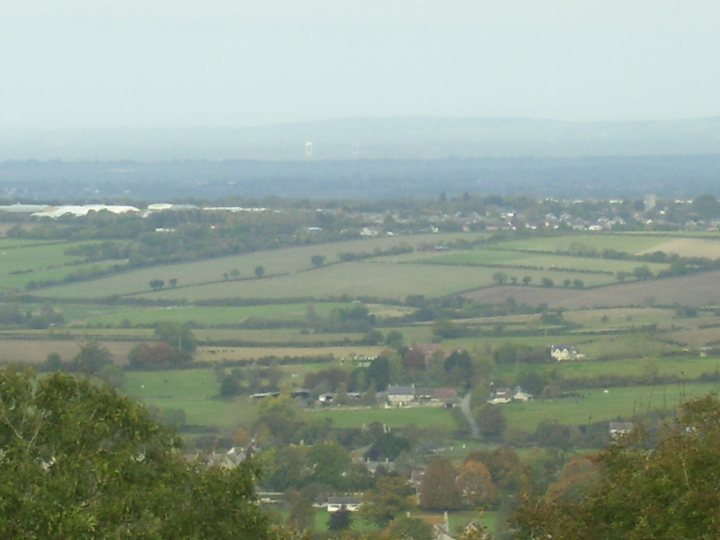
x,y
465,408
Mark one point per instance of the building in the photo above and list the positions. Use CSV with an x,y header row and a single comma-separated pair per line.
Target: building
x,y
400,396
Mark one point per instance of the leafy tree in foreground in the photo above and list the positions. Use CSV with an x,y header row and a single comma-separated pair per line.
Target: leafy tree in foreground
x,y
670,491
438,490
77,460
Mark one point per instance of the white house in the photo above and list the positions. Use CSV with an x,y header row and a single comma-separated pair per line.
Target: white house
x,y
335,504
400,395
565,352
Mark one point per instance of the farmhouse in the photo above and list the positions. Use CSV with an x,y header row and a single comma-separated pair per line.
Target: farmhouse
x,y
335,504
400,395
506,395
565,352
618,429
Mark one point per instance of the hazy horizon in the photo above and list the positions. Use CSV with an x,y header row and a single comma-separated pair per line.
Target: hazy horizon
x,y
87,64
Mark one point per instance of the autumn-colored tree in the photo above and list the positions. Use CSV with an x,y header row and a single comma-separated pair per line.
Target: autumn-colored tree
x,y
476,485
438,490
577,478
407,528
670,491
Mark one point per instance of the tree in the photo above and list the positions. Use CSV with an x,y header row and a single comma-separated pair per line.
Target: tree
x,y
390,497
459,368
410,528
157,284
500,278
317,260
490,420
438,490
92,358
476,485
669,491
173,282
176,335
81,461
259,271
642,272
526,280
547,282
157,355
340,520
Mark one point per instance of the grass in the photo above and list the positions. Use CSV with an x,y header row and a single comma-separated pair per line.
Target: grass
x,y
275,262
596,406
423,417
619,242
25,351
686,368
192,390
221,354
512,259
208,315
377,279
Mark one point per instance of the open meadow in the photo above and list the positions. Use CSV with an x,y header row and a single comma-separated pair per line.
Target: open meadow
x,y
597,405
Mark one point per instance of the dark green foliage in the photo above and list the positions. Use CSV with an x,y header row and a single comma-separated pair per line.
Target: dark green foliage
x,y
389,498
80,461
459,368
92,358
340,520
378,373
669,491
158,355
490,420
176,335
407,527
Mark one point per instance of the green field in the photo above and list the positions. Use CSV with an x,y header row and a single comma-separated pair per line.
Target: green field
x,y
192,390
82,315
686,368
275,262
628,243
597,406
422,417
514,259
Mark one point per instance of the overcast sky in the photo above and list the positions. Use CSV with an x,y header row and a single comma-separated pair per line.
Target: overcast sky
x,y
191,63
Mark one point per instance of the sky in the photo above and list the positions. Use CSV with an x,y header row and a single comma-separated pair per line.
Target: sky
x,y
236,63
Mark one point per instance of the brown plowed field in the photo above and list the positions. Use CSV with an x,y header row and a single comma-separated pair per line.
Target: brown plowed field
x,y
694,290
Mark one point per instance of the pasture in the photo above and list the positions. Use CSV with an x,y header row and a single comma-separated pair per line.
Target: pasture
x,y
374,279
24,351
691,290
421,417
223,270
83,315
595,405
515,259
628,243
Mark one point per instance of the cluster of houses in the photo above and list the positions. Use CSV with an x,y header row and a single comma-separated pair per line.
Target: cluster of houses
x,y
562,353
508,395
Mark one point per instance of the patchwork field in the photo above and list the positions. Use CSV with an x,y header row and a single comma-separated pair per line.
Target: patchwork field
x,y
435,417
692,290
82,315
595,405
515,259
240,269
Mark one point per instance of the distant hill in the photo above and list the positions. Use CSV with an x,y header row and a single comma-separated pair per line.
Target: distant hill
x,y
374,138
183,180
